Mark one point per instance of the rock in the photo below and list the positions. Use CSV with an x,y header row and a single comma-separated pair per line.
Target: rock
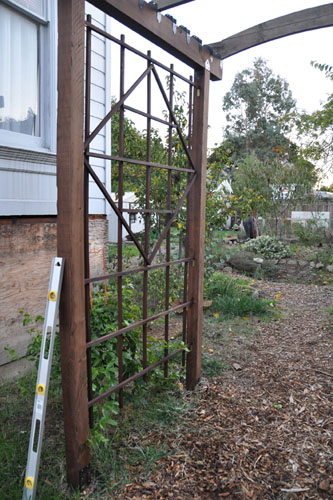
x,y
312,264
227,269
207,303
320,265
330,269
255,294
236,367
258,260
292,263
302,264
240,263
324,485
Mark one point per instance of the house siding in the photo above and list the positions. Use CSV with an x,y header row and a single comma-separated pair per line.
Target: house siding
x,y
28,207
28,177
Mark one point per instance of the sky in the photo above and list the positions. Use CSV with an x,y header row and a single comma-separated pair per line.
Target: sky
x,y
289,57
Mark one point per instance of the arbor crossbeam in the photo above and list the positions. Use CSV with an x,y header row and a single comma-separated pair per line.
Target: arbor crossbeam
x,y
291,24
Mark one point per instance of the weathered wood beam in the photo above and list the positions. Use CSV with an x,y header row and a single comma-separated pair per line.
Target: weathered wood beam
x,y
161,30
70,235
297,22
195,238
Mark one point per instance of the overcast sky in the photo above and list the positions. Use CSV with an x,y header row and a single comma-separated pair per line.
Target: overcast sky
x,y
290,57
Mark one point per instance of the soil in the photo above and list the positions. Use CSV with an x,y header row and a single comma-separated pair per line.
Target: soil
x,y
263,428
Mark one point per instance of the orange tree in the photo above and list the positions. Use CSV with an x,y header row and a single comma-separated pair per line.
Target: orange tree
x,y
270,188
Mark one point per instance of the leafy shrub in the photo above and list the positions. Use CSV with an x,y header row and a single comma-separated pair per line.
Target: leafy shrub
x,y
104,357
310,233
234,297
268,247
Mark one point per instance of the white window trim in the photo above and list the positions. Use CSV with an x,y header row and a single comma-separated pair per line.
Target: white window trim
x,y
48,87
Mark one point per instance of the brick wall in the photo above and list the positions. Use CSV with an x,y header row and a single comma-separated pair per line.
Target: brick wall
x,y
27,247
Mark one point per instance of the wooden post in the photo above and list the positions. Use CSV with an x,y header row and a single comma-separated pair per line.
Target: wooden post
x,y
196,204
70,235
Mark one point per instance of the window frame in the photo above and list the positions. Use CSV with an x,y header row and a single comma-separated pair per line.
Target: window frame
x,y
46,142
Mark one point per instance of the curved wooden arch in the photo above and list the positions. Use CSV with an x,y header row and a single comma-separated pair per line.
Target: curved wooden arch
x,y
297,22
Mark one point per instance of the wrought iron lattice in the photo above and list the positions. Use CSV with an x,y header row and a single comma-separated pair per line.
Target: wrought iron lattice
x,y
150,251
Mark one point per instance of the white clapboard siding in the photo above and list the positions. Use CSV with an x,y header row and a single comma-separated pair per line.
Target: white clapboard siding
x,y
28,178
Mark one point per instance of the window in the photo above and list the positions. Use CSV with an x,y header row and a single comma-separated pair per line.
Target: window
x,y
19,79
27,74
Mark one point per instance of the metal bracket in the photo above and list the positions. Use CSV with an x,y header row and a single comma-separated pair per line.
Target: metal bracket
x,y
174,23
188,33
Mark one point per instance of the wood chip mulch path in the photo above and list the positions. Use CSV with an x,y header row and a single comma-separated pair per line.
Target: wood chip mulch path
x,y
263,431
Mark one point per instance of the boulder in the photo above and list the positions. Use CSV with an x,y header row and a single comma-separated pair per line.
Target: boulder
x,y
258,260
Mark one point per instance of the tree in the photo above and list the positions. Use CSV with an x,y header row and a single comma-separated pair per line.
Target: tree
x,y
257,109
317,127
270,188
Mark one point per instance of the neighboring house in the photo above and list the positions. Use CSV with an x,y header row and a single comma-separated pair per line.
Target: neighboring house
x,y
320,211
28,192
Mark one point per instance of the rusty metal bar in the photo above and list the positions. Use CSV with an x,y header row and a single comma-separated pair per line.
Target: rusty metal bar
x,y
185,299
137,270
167,250
186,265
137,52
172,218
120,227
147,218
137,324
86,214
134,377
138,162
115,208
182,140
152,117
146,211
116,107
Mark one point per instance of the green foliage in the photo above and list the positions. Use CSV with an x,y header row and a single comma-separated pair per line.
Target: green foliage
x,y
104,357
129,251
234,297
316,129
214,256
268,247
312,232
327,189
16,404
